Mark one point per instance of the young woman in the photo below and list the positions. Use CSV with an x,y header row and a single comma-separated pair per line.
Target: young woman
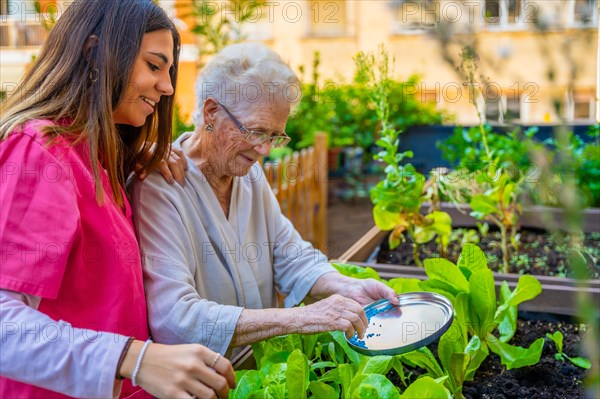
x,y
72,304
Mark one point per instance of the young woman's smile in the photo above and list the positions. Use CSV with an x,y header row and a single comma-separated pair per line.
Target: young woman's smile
x,y
149,79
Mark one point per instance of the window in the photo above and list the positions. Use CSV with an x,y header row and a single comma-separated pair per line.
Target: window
x,y
328,18
501,108
582,13
515,9
493,105
580,105
504,13
513,107
491,12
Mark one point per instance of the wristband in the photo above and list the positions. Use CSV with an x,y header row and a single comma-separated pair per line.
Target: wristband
x,y
139,362
123,353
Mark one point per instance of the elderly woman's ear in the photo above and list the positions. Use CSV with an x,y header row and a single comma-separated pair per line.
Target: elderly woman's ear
x,y
209,110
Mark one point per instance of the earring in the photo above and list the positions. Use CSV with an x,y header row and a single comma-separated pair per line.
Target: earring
x,y
209,127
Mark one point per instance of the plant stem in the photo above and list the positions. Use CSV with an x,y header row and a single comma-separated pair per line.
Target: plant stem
x,y
506,266
513,234
483,136
505,251
418,261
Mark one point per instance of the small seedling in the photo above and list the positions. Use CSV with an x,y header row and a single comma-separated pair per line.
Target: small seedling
x,y
557,338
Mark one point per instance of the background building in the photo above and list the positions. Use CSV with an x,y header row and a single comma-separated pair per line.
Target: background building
x,y
539,57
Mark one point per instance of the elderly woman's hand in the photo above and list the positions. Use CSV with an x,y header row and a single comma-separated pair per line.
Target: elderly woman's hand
x,y
367,291
362,291
335,313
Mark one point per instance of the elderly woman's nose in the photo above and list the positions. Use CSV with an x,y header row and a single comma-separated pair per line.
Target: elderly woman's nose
x,y
263,149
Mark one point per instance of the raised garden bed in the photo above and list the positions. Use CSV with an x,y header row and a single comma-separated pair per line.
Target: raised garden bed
x,y
535,217
549,378
540,253
555,309
559,295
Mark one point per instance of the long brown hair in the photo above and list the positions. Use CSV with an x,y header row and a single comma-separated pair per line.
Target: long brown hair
x,y
63,84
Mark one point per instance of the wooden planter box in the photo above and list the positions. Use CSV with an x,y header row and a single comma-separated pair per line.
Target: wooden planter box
x,y
559,294
536,216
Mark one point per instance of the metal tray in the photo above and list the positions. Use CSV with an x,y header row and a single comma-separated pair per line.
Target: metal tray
x,y
420,319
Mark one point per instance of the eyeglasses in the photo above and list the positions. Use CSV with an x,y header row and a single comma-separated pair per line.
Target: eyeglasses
x,y
255,137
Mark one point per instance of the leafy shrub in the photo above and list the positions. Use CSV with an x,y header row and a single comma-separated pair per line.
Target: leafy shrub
x,y
346,112
465,149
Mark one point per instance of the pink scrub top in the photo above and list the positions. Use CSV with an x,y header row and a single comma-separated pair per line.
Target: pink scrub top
x,y
59,244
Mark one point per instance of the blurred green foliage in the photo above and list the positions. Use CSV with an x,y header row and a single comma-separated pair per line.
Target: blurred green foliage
x,y
464,150
180,123
217,25
346,112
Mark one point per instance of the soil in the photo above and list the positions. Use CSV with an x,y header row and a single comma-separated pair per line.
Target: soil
x,y
548,379
539,253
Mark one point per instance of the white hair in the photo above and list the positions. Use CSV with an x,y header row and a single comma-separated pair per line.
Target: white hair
x,y
244,74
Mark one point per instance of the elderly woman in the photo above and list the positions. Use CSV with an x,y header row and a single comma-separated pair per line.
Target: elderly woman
x,y
216,249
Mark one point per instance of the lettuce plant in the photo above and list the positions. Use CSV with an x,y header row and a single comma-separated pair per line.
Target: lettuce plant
x,y
324,366
470,286
482,322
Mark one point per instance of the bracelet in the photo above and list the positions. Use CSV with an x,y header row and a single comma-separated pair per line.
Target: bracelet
x,y
139,362
123,353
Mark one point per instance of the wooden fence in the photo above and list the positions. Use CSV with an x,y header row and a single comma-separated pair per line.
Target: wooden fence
x,y
300,185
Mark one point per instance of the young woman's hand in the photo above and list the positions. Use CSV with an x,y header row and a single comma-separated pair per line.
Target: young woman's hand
x,y
172,168
180,371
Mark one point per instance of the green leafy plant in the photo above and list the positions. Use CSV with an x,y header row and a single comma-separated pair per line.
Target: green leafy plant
x,y
324,366
583,161
483,323
398,197
217,25
557,337
464,149
588,170
470,286
317,366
